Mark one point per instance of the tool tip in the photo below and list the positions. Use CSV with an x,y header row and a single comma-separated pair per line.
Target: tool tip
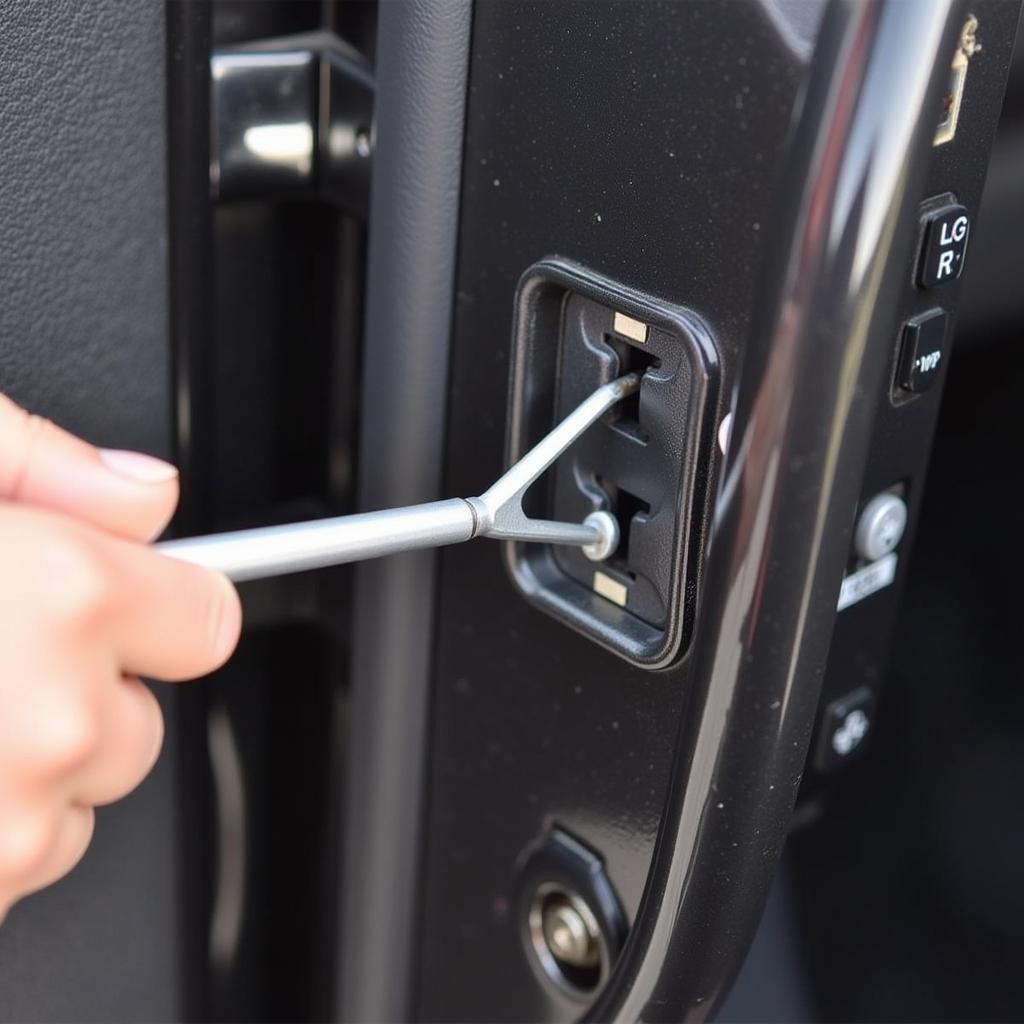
x,y
607,528
629,384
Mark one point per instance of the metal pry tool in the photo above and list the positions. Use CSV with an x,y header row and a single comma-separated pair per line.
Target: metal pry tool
x,y
498,512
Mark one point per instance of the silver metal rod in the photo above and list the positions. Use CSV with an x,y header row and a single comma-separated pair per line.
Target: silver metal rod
x,y
297,547
502,501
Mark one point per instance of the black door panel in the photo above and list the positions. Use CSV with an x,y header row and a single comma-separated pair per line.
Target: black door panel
x,y
761,763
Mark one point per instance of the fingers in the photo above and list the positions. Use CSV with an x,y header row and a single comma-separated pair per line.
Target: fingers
x,y
170,620
152,615
90,739
70,838
126,493
105,740
40,845
131,735
79,611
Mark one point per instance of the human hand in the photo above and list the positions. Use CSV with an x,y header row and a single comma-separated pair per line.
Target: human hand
x,y
86,607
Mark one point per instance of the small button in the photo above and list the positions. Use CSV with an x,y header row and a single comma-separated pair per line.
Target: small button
x,y
943,245
922,351
880,526
844,729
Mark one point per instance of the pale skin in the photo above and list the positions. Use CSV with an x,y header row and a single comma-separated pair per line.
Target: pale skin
x,y
86,608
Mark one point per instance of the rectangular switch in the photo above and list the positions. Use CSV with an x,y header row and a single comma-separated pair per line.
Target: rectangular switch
x,y
922,351
944,237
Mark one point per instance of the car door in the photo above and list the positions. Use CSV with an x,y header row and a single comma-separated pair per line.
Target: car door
x,y
344,256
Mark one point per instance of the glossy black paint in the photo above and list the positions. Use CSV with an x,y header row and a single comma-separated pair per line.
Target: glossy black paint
x,y
804,414
908,879
905,424
577,145
506,753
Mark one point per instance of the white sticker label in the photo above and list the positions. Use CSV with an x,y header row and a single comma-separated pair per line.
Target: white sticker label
x,y
629,327
867,581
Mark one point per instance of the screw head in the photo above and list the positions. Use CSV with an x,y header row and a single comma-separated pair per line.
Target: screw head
x,y
568,935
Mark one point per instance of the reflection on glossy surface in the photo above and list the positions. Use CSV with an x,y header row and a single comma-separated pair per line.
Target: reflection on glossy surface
x,y
799,441
292,116
287,144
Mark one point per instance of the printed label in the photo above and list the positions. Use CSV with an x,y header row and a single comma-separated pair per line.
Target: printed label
x,y
865,582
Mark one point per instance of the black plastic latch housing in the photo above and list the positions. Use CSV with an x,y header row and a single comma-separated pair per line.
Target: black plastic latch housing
x,y
648,462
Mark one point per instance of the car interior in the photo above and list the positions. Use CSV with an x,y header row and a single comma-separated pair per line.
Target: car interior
x,y
698,327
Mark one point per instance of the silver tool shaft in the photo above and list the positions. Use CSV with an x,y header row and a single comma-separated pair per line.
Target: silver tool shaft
x,y
296,547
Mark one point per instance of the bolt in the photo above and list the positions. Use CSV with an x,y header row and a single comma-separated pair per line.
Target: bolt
x,y
569,937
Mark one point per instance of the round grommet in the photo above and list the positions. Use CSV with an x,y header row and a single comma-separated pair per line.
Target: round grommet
x,y
571,922
880,527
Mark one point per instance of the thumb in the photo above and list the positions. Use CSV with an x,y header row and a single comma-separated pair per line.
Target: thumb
x,y
126,493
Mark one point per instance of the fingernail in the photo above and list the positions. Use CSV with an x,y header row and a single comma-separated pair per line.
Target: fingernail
x,y
227,624
137,466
